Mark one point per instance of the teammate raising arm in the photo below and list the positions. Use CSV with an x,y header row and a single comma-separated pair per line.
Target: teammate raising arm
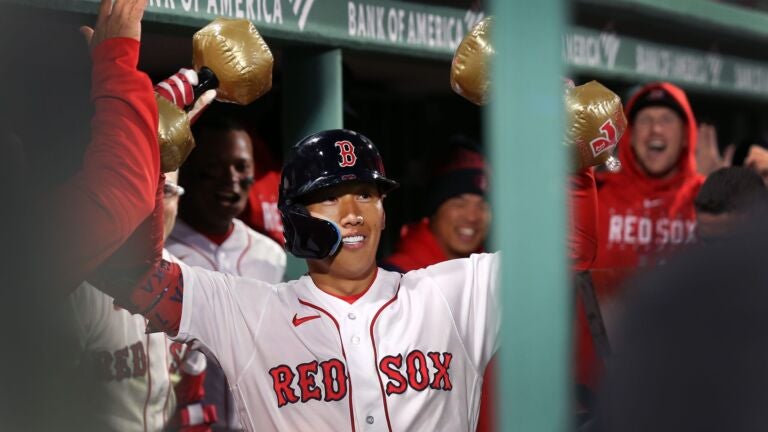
x,y
102,204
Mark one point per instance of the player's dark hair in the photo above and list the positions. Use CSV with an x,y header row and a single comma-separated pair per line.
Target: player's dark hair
x,y
731,190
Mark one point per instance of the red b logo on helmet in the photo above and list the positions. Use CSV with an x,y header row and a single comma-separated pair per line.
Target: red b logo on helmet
x,y
347,153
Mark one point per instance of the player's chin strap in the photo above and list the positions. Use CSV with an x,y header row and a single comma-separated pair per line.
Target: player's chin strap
x,y
307,236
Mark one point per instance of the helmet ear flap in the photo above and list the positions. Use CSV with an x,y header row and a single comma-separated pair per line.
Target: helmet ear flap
x,y
307,236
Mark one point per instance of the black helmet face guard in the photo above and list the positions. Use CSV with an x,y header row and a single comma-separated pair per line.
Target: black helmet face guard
x,y
317,162
320,238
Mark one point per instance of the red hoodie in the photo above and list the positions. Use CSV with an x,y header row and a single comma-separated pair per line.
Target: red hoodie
x,y
640,217
417,248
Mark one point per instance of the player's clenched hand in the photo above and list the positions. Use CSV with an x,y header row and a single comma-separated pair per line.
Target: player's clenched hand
x,y
119,19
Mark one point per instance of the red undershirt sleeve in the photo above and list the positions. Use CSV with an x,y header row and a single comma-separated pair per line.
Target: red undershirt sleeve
x,y
97,209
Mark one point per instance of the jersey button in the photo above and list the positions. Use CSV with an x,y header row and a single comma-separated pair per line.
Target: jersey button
x,y
369,419
351,315
355,340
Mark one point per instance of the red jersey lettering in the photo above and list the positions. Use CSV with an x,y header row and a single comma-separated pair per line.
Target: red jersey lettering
x,y
281,383
418,373
139,359
441,380
334,380
122,370
390,366
307,373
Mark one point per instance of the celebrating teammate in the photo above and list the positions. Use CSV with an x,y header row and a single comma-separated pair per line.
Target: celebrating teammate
x,y
459,214
349,345
647,208
217,177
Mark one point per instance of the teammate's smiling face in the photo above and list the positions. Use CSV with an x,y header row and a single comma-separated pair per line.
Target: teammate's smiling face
x,y
357,208
460,224
217,178
658,140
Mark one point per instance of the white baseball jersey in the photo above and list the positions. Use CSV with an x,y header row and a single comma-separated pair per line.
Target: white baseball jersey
x,y
409,354
131,367
244,253
136,371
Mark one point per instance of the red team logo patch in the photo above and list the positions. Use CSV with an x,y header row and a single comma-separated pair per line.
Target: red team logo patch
x,y
347,153
605,142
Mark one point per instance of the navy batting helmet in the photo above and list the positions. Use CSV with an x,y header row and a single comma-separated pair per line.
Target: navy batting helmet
x,y
318,161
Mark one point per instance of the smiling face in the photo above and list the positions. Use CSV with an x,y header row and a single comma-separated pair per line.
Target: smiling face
x,y
658,135
357,208
460,224
217,178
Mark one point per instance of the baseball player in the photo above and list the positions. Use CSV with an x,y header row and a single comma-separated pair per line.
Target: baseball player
x,y
133,371
131,368
218,176
348,346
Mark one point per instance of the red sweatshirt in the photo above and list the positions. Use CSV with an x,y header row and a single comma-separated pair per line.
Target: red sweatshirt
x,y
419,248
97,209
641,217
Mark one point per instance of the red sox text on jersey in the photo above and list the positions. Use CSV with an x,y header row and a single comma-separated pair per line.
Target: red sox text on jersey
x,y
644,231
407,355
304,383
131,361
126,362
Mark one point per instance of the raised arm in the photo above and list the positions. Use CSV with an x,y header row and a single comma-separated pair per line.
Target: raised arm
x,y
98,208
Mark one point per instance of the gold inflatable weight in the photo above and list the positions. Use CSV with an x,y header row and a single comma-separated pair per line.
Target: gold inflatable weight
x,y
229,55
236,53
471,63
174,134
595,122
594,116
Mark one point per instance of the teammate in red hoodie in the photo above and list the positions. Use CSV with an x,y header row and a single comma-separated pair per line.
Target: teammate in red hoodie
x,y
459,216
646,208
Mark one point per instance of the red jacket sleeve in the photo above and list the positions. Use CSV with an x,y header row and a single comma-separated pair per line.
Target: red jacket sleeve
x,y
97,209
582,237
